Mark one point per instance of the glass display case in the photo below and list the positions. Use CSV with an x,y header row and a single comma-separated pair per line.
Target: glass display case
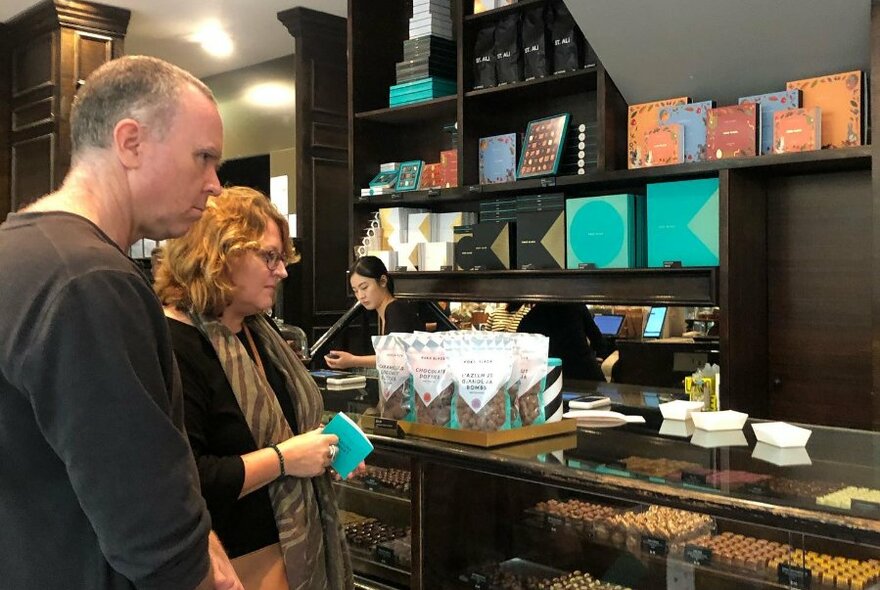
x,y
640,506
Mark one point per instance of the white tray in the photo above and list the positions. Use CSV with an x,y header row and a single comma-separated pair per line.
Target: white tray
x,y
784,457
719,438
601,418
679,409
680,428
723,420
781,434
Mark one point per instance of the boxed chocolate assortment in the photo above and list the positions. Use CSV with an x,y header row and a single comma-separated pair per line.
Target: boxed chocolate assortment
x,y
493,244
463,238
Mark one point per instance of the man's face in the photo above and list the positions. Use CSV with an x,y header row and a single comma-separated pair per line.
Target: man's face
x,y
179,170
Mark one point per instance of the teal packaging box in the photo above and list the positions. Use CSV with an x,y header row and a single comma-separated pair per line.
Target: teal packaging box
x,y
682,223
602,231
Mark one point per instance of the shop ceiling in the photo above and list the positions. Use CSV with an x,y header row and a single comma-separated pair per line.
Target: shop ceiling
x,y
705,49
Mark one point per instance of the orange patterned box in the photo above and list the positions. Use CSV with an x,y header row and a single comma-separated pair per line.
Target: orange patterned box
x,y
797,130
642,118
665,145
839,96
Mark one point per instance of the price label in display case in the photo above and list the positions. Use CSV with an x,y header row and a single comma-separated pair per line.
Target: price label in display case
x,y
697,555
385,555
694,479
554,523
371,483
794,576
864,507
654,545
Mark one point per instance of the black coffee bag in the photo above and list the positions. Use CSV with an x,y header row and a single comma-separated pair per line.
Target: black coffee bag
x,y
508,56
534,41
484,58
567,41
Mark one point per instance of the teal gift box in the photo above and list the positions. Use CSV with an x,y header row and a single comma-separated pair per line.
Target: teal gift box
x,y
601,231
682,223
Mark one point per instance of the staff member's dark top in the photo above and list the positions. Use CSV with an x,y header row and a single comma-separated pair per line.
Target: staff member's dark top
x,y
571,329
98,488
219,435
402,316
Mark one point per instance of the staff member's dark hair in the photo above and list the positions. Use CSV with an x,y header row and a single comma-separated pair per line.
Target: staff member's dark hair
x,y
372,268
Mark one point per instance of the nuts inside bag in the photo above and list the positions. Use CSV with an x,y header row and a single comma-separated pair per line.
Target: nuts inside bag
x,y
432,387
531,368
481,368
394,392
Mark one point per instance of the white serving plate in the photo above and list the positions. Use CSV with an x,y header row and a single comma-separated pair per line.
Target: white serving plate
x,y
680,428
679,409
709,439
723,420
781,434
782,456
601,418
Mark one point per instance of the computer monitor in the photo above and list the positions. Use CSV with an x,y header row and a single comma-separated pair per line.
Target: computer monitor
x,y
609,324
654,325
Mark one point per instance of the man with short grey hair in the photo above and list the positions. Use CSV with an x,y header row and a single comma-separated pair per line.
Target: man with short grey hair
x,y
98,488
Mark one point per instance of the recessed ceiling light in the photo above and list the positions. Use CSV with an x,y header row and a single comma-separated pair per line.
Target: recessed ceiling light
x,y
214,40
271,94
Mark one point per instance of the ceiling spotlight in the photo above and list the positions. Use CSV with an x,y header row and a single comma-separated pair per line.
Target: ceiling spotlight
x,y
214,40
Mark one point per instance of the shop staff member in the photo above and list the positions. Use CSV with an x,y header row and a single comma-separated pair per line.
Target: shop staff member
x,y
98,488
253,412
375,290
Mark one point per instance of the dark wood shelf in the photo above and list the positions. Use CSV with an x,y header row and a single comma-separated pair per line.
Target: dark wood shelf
x,y
558,84
498,12
445,106
637,286
819,161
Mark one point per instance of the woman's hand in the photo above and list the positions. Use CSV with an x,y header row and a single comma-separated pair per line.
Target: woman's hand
x,y
307,455
339,359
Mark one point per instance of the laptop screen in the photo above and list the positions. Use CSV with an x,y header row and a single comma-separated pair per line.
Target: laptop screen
x,y
609,325
654,325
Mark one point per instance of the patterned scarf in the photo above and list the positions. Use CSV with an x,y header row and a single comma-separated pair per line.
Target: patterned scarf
x,y
311,536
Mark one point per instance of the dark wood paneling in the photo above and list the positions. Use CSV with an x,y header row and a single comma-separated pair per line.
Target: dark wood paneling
x,y
34,64
875,220
330,205
655,286
33,163
55,43
819,307
33,114
5,117
613,118
318,296
89,53
329,136
743,280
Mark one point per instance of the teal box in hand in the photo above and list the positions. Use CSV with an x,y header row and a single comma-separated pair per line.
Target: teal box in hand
x,y
683,223
354,446
601,231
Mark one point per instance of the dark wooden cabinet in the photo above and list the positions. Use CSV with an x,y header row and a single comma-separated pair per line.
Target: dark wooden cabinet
x,y
51,48
316,293
798,280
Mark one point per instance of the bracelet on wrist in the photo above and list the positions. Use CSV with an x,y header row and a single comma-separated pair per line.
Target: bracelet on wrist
x,y
280,460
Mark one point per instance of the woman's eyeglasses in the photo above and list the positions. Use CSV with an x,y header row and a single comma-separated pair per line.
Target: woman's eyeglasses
x,y
271,258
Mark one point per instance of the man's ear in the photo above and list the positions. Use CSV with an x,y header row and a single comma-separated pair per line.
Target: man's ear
x,y
128,138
